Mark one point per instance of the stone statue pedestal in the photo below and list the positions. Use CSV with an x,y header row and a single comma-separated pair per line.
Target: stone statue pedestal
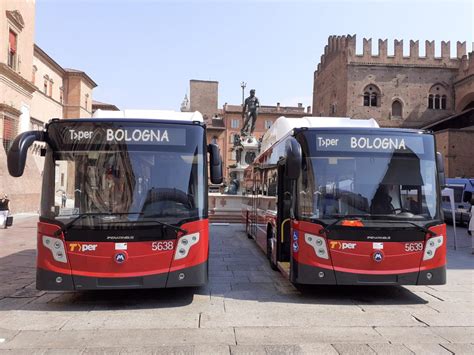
x,y
246,149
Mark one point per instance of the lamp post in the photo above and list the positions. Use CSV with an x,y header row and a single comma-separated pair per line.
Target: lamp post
x,y
243,84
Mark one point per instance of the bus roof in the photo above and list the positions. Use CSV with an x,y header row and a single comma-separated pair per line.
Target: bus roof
x,y
283,125
151,114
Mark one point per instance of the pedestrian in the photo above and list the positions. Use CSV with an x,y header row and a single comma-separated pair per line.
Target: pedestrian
x,y
4,210
63,199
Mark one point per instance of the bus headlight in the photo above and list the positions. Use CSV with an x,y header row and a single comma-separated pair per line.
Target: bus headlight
x,y
184,245
56,246
319,245
431,245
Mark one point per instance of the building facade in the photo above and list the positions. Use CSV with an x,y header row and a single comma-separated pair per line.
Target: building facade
x,y
33,89
226,122
400,90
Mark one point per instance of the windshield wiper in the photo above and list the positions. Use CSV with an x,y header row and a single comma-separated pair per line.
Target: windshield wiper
x,y
392,221
370,217
68,225
167,225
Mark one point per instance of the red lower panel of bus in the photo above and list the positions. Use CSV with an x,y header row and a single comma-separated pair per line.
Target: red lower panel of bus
x,y
319,260
64,265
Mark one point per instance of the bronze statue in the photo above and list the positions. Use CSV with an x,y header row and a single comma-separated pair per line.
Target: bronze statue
x,y
251,106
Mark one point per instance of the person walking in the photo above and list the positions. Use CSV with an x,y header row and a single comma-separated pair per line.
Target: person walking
x,y
63,199
4,210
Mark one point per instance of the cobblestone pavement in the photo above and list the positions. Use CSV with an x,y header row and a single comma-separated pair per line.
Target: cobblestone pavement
x,y
246,308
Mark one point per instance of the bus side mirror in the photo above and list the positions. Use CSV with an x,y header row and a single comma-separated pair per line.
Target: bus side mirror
x,y
215,163
441,175
18,151
293,159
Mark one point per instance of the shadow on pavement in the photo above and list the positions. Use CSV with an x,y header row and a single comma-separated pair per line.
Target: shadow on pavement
x,y
375,295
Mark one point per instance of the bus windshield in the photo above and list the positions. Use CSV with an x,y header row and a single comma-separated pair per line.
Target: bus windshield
x,y
119,180
362,179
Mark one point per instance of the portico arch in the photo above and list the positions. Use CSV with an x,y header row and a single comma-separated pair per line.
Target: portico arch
x,y
465,102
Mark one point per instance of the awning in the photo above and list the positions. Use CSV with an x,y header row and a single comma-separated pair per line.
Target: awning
x,y
460,120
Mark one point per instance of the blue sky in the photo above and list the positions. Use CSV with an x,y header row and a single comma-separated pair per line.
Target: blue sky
x,y
143,53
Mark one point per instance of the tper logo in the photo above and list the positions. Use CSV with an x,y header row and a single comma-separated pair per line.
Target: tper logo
x,y
82,247
334,244
80,135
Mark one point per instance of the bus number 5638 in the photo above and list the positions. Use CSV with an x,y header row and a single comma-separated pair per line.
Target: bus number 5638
x,y
162,246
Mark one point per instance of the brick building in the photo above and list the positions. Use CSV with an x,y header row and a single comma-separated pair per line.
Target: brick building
x,y
33,89
401,90
224,123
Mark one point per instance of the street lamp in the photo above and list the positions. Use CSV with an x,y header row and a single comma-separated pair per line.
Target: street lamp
x,y
243,84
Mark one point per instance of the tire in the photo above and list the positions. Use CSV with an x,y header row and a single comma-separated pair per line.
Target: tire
x,y
270,235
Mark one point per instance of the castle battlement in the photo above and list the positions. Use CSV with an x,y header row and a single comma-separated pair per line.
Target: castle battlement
x,y
466,68
346,46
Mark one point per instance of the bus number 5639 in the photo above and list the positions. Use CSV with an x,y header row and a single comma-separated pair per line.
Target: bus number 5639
x,y
413,246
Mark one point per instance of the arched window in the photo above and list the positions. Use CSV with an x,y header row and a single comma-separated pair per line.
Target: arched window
x,y
430,101
438,97
371,96
397,109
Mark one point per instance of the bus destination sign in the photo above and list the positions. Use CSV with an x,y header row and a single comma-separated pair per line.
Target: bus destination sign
x,y
369,143
129,135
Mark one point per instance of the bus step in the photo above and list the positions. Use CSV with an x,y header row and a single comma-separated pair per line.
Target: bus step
x,y
284,267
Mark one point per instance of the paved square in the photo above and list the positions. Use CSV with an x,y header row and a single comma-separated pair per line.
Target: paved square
x,y
246,308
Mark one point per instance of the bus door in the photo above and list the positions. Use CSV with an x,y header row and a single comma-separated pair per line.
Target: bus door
x,y
284,201
253,214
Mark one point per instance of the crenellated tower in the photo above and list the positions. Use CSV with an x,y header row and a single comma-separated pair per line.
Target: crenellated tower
x,y
399,89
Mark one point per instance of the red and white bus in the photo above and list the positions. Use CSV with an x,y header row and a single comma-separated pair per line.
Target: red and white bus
x,y
124,200
342,201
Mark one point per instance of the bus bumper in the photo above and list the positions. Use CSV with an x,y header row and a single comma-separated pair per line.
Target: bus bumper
x,y
312,275
188,277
